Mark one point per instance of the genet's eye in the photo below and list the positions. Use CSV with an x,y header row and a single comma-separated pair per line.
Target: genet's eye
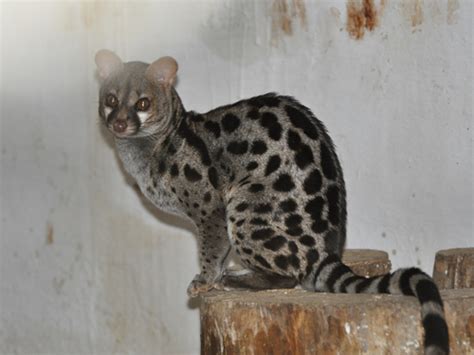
x,y
142,104
111,100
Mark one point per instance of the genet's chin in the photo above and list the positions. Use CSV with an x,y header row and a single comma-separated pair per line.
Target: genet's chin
x,y
129,132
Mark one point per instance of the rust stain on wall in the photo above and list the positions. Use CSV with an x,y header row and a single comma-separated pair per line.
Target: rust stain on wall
x,y
283,14
417,17
413,9
452,16
361,16
49,234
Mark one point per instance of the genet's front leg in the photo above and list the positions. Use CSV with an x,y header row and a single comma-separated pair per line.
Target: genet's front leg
x,y
214,246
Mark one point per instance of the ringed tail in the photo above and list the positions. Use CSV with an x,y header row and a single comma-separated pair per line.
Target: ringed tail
x,y
331,275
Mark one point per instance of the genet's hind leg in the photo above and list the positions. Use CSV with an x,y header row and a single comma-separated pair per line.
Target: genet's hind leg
x,y
271,232
247,279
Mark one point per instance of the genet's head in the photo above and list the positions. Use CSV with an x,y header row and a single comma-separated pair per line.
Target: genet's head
x,y
135,97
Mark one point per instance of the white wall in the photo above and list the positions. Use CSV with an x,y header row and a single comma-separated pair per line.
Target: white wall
x,y
87,268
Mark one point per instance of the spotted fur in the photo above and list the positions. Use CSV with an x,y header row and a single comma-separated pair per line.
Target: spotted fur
x,y
260,177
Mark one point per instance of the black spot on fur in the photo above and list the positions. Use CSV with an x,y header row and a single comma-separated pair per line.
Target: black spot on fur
x,y
300,120
207,197
238,148
251,166
239,236
196,117
254,188
253,114
171,149
313,182
304,156
293,140
294,231
191,174
262,234
327,163
332,196
275,243
269,100
307,240
258,147
319,226
294,261
312,256
315,207
240,222
213,179
258,222
263,208
242,206
270,122
161,167
293,220
262,261
230,123
273,164
194,141
288,205
332,241
174,170
213,127
293,247
247,251
281,261
284,183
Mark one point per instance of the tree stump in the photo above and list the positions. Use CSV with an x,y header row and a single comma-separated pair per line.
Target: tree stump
x,y
299,322
454,268
367,262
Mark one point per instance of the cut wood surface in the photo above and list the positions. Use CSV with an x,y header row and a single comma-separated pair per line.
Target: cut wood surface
x,y
454,268
300,322
367,262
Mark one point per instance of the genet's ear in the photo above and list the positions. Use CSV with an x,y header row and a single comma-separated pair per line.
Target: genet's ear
x,y
107,63
162,71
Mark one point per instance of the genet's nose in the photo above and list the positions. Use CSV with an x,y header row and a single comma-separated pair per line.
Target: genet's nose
x,y
120,126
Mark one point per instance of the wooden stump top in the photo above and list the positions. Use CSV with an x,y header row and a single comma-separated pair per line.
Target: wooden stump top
x,y
301,322
454,268
367,262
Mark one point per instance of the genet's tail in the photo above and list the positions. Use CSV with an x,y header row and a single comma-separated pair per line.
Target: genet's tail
x,y
333,276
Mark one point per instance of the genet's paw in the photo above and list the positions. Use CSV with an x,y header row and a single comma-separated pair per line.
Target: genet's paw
x,y
199,286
